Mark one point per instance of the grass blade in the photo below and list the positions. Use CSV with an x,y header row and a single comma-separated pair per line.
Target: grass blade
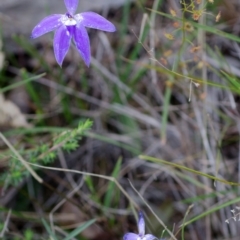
x,y
79,229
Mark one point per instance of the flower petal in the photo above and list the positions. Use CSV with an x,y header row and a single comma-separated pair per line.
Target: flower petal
x,y
141,224
149,237
61,43
48,24
71,6
94,20
130,236
82,42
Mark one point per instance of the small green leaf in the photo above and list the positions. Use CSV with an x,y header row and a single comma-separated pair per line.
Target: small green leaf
x,y
79,229
48,229
111,185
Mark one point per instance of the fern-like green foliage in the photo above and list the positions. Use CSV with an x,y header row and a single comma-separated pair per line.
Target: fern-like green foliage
x,y
43,154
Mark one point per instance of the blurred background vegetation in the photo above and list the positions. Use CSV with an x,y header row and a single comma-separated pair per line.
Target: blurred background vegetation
x,y
152,124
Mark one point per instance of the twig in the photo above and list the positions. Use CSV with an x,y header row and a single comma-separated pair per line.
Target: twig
x,y
90,174
5,224
20,158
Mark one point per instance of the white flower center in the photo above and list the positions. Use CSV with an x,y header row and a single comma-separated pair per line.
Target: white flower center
x,y
141,237
78,17
68,20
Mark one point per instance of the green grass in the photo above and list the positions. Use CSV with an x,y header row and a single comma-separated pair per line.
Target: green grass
x,y
140,144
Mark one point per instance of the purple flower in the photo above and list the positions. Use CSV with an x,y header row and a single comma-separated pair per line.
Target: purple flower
x,y
71,25
141,231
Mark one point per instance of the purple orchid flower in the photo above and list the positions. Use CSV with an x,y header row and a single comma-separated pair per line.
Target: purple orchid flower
x,y
70,26
141,231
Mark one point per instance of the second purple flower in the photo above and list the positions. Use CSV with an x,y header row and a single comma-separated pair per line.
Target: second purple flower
x,y
141,231
69,26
